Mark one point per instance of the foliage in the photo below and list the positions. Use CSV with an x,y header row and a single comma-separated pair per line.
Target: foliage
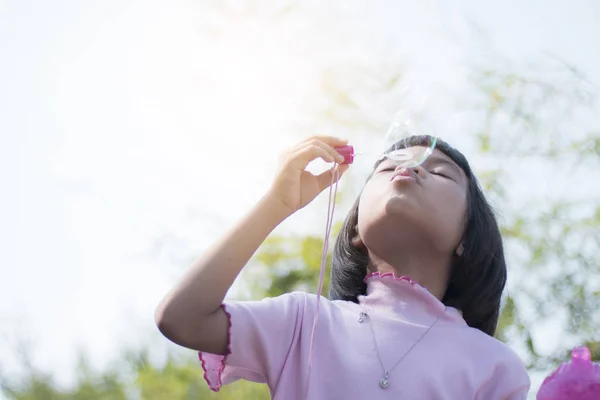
x,y
135,378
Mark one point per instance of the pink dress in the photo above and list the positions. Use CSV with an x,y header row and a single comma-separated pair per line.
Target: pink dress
x,y
269,342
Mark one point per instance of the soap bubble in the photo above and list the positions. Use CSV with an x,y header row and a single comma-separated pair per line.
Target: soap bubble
x,y
397,140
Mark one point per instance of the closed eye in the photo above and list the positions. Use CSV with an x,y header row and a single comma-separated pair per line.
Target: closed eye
x,y
440,174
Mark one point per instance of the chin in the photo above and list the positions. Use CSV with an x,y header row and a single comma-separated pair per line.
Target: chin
x,y
391,230
403,206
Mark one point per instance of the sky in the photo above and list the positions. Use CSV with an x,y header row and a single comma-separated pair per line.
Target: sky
x,y
133,133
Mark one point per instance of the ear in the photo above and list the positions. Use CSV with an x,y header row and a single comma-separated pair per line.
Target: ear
x,y
460,250
356,240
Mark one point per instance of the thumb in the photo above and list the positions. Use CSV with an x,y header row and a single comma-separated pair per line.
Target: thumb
x,y
325,179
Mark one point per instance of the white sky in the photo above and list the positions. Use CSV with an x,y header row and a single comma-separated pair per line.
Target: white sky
x,y
116,117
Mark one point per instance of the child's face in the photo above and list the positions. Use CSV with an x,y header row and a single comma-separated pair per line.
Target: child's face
x,y
423,207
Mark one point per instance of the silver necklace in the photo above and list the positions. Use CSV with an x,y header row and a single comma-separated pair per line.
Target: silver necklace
x,y
384,381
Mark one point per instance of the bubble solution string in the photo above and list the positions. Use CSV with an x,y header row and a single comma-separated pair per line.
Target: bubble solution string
x,y
335,175
348,153
406,158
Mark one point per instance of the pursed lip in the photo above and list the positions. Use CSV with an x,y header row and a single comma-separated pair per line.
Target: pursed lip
x,y
404,174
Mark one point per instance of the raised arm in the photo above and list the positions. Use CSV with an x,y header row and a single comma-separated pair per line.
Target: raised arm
x,y
191,314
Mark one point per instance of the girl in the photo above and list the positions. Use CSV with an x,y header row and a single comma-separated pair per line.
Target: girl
x,y
417,277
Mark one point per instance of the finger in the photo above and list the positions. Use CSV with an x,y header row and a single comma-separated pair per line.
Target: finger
x,y
325,179
329,140
302,157
330,149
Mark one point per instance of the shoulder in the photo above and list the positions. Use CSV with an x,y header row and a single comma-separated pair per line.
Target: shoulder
x,y
500,369
301,301
327,304
493,349
285,305
331,311
293,307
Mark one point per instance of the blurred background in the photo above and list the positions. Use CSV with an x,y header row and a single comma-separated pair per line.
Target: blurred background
x,y
134,133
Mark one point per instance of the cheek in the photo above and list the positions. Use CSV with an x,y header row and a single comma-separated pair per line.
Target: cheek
x,y
450,213
365,208
370,204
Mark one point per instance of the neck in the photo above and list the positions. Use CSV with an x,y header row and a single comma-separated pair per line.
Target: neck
x,y
430,272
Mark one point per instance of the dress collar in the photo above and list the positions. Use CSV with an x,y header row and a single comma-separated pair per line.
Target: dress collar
x,y
404,298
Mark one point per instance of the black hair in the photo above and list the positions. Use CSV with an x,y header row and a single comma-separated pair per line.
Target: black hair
x,y
477,277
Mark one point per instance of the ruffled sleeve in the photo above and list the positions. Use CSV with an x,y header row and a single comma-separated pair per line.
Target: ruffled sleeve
x,y
261,335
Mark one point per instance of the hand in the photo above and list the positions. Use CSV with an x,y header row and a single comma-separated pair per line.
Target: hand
x,y
294,187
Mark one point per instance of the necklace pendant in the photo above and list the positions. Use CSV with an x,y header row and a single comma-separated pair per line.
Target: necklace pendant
x,y
383,382
362,317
